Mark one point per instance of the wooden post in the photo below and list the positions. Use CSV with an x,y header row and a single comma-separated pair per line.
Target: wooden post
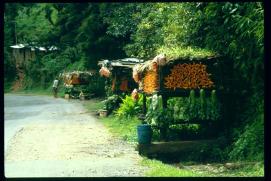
x,y
144,108
164,101
164,129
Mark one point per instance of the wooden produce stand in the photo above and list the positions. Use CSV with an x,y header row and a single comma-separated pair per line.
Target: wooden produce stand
x,y
118,74
175,75
179,76
72,82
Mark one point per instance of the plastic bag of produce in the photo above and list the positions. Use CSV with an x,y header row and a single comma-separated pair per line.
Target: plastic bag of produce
x,y
154,102
104,72
160,59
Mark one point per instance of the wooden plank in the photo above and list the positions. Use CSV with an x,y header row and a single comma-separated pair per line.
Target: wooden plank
x,y
173,147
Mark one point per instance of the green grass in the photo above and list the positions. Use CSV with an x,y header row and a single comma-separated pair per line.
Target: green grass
x,y
93,105
125,129
256,170
159,169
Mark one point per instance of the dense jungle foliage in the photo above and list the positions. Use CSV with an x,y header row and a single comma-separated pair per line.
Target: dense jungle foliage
x,y
88,32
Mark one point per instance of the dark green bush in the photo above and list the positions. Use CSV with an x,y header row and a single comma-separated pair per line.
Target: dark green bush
x,y
249,144
112,103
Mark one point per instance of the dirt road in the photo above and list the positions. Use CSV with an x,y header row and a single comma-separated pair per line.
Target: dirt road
x,y
47,137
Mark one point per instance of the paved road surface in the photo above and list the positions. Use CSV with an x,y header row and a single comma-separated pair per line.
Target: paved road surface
x,y
47,137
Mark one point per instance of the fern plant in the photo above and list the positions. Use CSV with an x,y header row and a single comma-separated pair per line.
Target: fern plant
x,y
129,108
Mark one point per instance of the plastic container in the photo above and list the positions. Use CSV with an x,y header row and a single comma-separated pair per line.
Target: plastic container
x,y
144,134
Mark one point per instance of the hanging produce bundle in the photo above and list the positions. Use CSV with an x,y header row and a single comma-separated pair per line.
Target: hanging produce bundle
x,y
150,82
105,72
153,66
188,76
140,85
193,105
135,95
178,106
136,75
203,105
195,108
215,106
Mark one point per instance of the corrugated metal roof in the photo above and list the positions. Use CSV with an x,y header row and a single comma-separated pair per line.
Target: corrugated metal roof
x,y
132,60
33,48
53,48
125,62
41,48
18,46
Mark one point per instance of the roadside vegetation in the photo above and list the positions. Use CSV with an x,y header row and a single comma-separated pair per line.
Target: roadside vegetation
x,y
94,105
125,129
187,169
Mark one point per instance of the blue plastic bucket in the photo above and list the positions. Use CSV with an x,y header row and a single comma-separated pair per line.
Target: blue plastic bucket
x,y
144,134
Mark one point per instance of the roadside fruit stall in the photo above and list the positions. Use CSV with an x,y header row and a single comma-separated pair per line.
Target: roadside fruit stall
x,y
118,80
76,83
118,74
184,83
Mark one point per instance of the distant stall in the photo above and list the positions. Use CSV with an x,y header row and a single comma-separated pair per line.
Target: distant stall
x,y
76,83
119,74
22,54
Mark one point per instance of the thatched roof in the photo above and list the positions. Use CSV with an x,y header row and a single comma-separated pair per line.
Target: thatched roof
x,y
144,66
186,53
179,54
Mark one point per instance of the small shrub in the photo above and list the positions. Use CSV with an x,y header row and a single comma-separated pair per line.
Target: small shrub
x,y
112,103
184,131
250,144
129,107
